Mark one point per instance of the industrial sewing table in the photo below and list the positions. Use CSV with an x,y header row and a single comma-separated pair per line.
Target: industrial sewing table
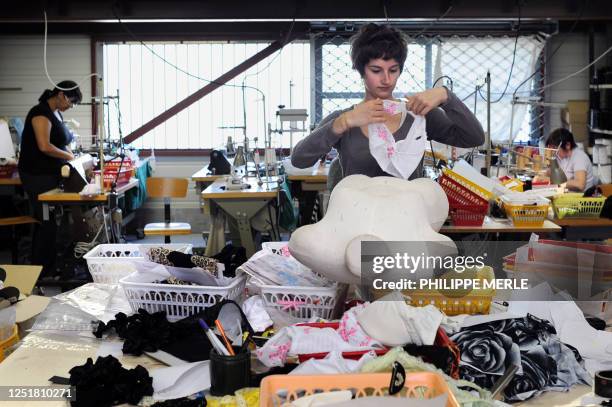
x,y
495,225
56,197
242,205
306,187
585,228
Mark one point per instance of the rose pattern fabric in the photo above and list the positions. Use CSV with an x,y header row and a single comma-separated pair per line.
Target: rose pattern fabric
x,y
529,343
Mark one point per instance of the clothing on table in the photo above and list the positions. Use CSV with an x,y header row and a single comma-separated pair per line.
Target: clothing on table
x,y
167,257
530,343
453,124
578,161
31,159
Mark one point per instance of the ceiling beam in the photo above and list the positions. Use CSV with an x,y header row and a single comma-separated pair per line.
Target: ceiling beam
x,y
101,10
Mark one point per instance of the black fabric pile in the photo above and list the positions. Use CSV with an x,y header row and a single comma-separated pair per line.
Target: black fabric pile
x,y
182,402
232,258
141,332
107,383
8,295
184,339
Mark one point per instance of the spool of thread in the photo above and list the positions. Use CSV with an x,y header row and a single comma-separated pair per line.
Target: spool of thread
x,y
602,386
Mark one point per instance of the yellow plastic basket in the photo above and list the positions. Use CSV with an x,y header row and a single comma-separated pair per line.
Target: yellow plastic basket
x,y
514,184
475,302
523,215
574,205
477,189
7,343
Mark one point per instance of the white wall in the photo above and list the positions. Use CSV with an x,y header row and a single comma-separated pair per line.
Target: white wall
x,y
21,66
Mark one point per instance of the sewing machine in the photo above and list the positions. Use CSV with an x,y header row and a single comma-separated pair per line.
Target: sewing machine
x,y
234,181
74,174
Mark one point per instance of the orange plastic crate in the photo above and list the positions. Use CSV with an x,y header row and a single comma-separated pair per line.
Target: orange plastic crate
x,y
278,390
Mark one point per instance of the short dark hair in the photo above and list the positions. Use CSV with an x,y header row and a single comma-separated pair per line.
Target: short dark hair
x,y
375,41
74,94
561,137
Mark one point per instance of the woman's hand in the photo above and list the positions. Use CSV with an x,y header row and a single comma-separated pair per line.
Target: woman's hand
x,y
363,113
424,102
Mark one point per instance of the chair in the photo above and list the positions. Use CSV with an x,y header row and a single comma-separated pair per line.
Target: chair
x,y
13,222
167,188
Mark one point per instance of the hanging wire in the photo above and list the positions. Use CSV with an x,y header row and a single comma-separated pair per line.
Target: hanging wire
x,y
47,71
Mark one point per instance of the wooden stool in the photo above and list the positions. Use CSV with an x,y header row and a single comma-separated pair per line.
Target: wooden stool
x,y
13,222
167,188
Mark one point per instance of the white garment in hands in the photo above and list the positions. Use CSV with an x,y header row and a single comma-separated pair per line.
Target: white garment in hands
x,y
398,158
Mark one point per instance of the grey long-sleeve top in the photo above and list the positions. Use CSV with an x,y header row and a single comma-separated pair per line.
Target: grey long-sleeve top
x,y
453,124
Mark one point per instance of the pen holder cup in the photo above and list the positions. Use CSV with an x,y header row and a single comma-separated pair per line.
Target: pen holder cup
x,y
229,373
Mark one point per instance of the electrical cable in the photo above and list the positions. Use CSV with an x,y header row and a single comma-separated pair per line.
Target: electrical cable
x,y
442,77
549,57
577,72
81,248
126,29
47,71
437,20
518,32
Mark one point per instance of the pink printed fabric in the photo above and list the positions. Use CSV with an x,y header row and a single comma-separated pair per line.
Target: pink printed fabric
x,y
398,158
300,340
350,330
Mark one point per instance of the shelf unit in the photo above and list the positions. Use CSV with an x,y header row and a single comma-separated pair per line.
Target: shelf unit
x,y
601,86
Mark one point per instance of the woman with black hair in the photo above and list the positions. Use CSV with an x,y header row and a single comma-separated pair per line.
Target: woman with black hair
x,y
574,162
378,53
44,149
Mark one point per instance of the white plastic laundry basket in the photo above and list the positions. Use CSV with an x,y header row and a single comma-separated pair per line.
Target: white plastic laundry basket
x,y
179,301
297,301
109,263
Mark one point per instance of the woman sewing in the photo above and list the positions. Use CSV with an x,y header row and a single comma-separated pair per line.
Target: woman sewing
x,y
44,149
378,53
574,162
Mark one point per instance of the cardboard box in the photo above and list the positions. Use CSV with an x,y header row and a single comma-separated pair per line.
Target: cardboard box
x,y
29,306
578,111
580,131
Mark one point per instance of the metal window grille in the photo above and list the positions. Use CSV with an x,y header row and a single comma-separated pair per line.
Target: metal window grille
x,y
338,86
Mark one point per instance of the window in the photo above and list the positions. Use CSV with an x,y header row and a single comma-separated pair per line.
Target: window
x,y
147,86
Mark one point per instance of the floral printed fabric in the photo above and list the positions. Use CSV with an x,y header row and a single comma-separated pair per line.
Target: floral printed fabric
x,y
398,158
530,343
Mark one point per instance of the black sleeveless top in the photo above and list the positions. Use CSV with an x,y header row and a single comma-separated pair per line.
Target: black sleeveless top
x,y
31,159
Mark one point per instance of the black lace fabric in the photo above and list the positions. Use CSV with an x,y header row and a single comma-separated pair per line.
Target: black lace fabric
x,y
182,402
107,383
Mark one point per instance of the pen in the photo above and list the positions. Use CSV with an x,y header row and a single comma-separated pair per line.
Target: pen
x,y
222,332
214,341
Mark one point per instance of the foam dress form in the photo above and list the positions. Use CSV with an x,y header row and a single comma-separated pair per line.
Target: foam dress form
x,y
362,208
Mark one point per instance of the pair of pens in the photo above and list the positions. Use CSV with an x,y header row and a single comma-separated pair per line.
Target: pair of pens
x,y
214,341
224,336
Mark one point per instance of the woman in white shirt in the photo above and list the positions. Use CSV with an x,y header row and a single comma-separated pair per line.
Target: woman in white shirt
x,y
572,160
